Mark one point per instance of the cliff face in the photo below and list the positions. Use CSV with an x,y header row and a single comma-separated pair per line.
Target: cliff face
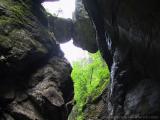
x,y
83,32
35,78
35,82
128,38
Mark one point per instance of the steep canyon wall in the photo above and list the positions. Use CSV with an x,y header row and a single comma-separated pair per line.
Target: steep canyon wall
x,y
128,38
35,82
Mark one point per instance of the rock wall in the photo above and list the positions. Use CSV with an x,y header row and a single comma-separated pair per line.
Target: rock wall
x,y
128,38
62,28
35,82
83,32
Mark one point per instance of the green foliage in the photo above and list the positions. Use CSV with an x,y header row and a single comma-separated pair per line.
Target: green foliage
x,y
90,77
16,10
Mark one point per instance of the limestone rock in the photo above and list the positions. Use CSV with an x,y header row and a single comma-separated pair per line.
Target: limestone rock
x,y
80,29
23,110
62,28
84,34
35,82
128,38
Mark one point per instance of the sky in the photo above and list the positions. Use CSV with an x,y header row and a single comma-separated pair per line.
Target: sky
x,y
72,53
67,6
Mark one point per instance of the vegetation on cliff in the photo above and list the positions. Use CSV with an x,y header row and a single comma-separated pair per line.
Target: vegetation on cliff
x,y
90,77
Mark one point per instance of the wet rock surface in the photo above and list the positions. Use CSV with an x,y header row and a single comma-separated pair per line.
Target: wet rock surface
x,y
35,82
128,38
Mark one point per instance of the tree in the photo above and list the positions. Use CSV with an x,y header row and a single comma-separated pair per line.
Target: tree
x,y
90,77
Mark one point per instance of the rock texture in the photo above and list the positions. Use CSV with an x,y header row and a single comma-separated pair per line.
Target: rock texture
x,y
62,28
128,38
35,82
80,29
96,110
84,34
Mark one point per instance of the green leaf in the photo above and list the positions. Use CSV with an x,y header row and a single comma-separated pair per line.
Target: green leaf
x,y
90,77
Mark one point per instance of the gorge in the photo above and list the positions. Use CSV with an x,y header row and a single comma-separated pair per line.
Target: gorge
x,y
35,77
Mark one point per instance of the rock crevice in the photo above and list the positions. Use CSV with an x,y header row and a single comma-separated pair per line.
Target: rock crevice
x,y
35,80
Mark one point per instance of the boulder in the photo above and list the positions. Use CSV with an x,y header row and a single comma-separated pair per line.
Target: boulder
x,y
84,34
35,82
61,28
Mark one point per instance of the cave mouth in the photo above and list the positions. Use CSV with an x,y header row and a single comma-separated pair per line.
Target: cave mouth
x,y
90,73
62,10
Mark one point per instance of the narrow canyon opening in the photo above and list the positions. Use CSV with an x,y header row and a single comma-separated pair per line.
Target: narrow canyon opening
x,y
65,9
37,82
90,73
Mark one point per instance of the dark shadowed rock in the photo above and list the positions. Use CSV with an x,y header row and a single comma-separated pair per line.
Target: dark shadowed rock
x,y
128,38
61,28
84,34
80,29
24,110
138,101
40,1
35,82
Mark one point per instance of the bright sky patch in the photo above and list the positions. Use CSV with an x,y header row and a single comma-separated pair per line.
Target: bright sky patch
x,y
65,9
